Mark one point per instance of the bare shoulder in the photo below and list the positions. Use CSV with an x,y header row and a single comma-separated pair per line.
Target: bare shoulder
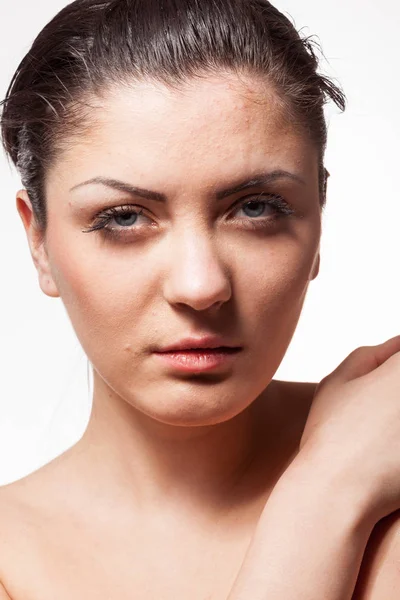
x,y
30,508
38,495
22,506
298,391
31,493
294,399
17,529
17,500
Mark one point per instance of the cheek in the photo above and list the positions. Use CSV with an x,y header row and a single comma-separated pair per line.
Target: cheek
x,y
272,304
272,293
105,292
276,279
111,293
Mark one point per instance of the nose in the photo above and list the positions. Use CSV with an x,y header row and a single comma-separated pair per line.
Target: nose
x,y
196,275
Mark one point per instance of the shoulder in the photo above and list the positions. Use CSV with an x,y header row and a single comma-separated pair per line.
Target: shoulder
x,y
16,530
29,524
19,514
38,495
22,537
298,391
292,400
284,407
29,507
379,576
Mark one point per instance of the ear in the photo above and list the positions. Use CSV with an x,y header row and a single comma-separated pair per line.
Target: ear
x,y
37,246
315,270
325,187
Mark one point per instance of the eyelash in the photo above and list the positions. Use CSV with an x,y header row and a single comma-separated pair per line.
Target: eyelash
x,y
275,200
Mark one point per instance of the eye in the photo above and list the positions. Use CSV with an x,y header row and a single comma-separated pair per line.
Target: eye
x,y
264,207
126,217
262,210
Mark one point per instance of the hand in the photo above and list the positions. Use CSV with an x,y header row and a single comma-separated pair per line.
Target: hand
x,y
353,428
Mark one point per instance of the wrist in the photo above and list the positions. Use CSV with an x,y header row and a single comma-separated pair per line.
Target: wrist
x,y
311,529
329,491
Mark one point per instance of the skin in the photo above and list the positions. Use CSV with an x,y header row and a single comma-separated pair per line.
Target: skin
x,y
198,269
173,470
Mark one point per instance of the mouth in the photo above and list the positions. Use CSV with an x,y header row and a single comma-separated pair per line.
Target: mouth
x,y
219,349
209,343
199,360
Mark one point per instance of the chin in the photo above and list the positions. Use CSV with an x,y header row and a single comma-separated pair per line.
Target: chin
x,y
192,407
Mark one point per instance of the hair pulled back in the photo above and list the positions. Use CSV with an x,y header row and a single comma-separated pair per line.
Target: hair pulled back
x,y
93,43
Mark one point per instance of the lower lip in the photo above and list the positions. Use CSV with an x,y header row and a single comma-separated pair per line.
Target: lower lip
x,y
199,361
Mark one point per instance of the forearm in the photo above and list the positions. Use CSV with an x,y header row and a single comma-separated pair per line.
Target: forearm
x,y
308,545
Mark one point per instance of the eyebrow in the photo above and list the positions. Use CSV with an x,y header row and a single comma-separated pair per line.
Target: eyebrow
x,y
256,180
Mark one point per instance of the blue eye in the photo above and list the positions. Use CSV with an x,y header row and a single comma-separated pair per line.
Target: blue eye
x,y
127,219
257,206
126,215
263,211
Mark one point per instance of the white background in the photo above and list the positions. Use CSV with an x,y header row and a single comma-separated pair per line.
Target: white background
x,y
45,400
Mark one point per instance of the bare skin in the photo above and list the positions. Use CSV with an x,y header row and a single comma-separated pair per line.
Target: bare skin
x,y
55,542
66,534
162,494
315,528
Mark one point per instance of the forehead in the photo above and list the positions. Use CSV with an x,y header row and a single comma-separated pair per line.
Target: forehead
x,y
211,124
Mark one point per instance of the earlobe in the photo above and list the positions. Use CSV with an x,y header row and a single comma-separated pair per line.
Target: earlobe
x,y
37,246
315,271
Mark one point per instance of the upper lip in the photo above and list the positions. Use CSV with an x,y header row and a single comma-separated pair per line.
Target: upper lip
x,y
193,343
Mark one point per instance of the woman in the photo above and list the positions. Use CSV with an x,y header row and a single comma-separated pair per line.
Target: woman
x,y
172,161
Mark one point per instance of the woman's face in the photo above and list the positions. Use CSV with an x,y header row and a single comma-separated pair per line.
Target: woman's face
x,y
196,261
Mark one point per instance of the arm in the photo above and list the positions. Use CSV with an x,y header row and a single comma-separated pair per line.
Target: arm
x,y
309,542
314,530
3,593
379,576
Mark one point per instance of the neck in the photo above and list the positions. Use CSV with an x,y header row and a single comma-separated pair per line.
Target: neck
x,y
163,464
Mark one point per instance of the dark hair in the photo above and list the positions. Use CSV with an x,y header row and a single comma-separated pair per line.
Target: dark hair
x,y
93,43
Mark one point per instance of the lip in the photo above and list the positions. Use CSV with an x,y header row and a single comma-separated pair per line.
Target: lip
x,y
199,343
199,360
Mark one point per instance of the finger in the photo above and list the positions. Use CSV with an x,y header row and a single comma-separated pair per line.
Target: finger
x,y
365,359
